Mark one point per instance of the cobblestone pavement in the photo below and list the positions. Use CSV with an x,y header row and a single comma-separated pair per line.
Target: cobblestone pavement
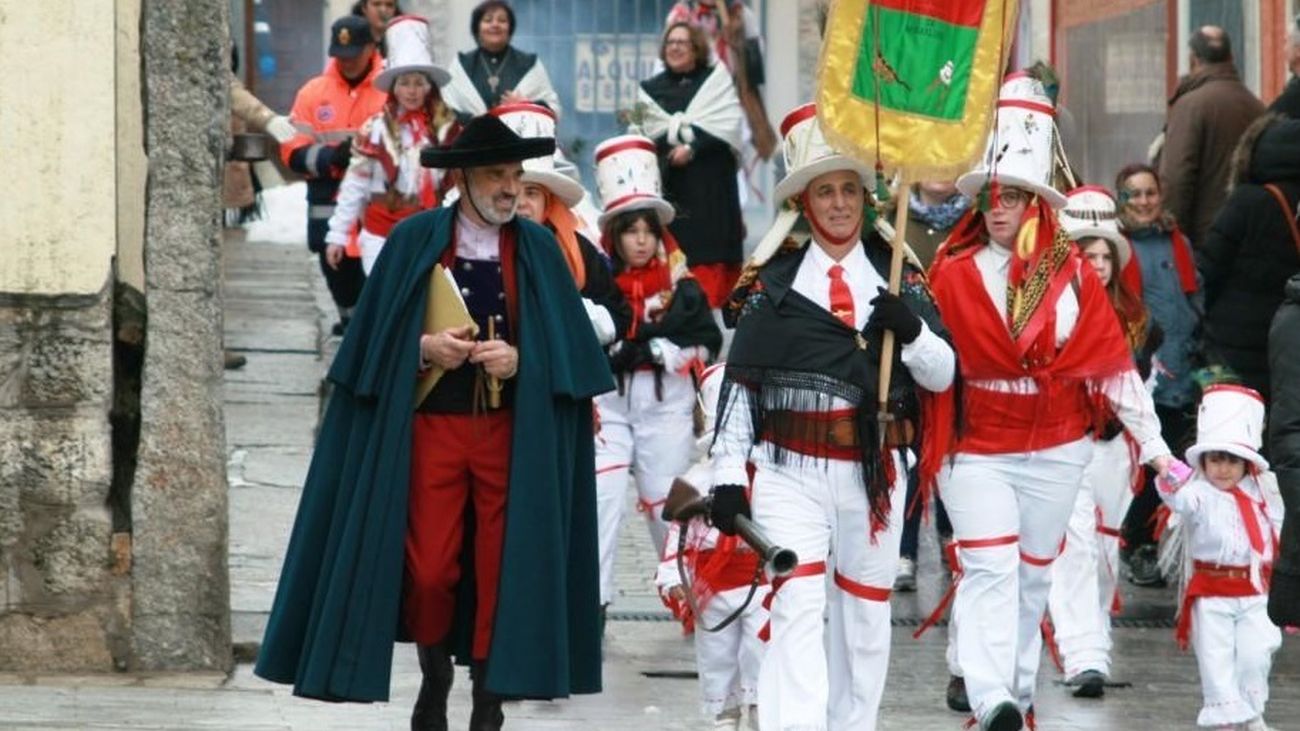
x,y
276,310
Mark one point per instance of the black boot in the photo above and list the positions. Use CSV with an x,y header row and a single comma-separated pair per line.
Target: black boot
x,y
430,712
486,715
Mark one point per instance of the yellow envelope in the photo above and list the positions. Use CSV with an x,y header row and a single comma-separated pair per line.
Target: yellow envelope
x,y
444,309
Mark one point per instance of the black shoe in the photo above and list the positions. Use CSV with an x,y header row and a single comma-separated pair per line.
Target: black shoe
x,y
956,695
430,712
1090,684
233,361
1005,717
486,714
1143,567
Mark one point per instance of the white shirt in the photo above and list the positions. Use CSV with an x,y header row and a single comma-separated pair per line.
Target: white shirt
x,y
929,359
479,243
1127,395
1215,530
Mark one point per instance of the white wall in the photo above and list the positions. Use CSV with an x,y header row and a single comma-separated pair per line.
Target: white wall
x,y
58,137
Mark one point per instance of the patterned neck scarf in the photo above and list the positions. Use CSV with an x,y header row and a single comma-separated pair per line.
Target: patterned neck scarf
x,y
942,216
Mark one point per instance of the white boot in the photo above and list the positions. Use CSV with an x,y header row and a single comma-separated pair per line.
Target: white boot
x,y
752,718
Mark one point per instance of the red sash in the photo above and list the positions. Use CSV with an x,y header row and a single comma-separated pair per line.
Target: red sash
x,y
379,219
1209,579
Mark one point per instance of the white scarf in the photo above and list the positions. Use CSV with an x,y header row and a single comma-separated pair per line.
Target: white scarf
x,y
714,109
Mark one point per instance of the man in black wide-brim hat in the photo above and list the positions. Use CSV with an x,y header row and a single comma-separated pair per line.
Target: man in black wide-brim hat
x,y
380,548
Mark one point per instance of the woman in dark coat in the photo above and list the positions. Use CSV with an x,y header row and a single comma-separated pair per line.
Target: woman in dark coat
x,y
698,154
1284,453
1252,249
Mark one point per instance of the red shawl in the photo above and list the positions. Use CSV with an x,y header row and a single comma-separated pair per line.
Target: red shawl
x,y
1095,351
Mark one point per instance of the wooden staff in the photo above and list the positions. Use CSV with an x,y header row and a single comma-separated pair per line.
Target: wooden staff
x,y
895,282
493,383
763,137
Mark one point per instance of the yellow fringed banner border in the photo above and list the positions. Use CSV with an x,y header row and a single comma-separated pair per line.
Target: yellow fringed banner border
x,y
916,146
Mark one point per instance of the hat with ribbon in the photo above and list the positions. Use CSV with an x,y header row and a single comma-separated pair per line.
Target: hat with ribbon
x,y
808,155
536,121
627,177
486,140
1022,145
1090,212
1230,419
407,41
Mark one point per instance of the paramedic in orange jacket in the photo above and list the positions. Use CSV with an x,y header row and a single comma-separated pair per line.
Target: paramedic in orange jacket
x,y
328,111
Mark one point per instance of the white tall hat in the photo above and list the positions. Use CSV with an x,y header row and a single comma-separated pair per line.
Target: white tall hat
x,y
534,120
627,178
1230,419
807,154
407,42
1090,212
1022,144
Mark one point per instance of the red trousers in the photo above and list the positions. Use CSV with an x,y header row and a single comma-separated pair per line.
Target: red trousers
x,y
455,458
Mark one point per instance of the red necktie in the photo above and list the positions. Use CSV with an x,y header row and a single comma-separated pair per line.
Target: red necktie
x,y
841,297
1247,509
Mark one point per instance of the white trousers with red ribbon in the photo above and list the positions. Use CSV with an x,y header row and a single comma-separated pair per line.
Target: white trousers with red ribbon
x,y
817,674
649,439
1009,513
1234,642
1083,590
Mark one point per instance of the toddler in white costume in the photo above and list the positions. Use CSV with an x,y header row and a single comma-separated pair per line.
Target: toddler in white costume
x,y
721,569
1230,542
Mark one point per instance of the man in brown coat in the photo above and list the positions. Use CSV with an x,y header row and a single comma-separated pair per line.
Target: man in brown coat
x,y
1207,114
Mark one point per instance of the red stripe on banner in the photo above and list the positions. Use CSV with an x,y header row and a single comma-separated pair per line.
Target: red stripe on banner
x,y
797,116
1047,109
969,13
862,591
637,144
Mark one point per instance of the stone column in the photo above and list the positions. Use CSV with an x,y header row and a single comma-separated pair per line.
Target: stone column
x,y
180,584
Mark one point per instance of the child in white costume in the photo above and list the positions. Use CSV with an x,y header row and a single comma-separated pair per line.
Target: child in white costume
x,y
721,570
1230,543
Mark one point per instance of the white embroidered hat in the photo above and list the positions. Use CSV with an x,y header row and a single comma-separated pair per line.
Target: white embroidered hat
x,y
1090,212
627,178
1230,419
807,154
407,41
534,120
1022,145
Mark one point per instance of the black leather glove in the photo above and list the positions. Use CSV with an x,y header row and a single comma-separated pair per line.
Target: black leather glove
x,y
727,502
890,312
341,155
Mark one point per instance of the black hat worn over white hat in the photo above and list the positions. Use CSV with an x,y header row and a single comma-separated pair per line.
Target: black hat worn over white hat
x,y
349,36
486,140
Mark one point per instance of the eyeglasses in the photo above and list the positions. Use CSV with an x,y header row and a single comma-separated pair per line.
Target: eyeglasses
x,y
1012,197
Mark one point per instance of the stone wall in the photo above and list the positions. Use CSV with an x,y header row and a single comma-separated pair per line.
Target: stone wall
x,y
63,606
180,584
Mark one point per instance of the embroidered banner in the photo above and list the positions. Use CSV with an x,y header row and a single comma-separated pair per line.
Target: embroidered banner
x,y
913,81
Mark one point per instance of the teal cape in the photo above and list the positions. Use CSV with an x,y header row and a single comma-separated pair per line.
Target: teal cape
x,y
337,609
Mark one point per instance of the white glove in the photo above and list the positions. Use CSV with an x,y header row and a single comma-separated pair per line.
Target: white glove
x,y
653,306
281,129
601,322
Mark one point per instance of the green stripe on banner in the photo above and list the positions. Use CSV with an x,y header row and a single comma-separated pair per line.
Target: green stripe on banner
x,y
924,64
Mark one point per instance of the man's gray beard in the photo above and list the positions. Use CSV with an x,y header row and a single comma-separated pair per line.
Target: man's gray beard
x,y
489,213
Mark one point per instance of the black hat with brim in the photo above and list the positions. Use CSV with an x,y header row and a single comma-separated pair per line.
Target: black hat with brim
x,y
486,140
